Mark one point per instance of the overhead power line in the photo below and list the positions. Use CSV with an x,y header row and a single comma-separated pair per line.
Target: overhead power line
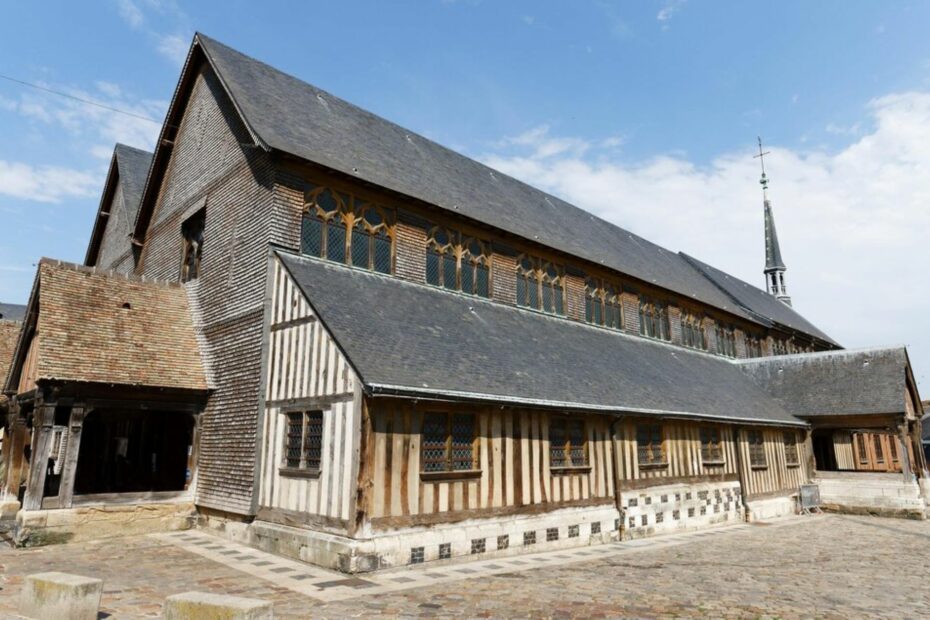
x,y
82,100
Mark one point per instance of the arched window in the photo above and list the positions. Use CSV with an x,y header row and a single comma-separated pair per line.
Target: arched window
x,y
653,319
603,305
458,263
692,332
753,346
328,218
539,285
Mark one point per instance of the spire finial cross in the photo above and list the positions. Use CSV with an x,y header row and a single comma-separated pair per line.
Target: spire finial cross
x,y
761,157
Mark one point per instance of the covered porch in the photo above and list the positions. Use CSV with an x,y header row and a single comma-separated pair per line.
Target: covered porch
x,y
106,390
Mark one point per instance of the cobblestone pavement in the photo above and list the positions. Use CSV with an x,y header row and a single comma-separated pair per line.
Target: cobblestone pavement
x,y
824,567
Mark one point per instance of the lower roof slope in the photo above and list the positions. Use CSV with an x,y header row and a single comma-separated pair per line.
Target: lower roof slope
x,y
412,339
760,304
98,327
845,382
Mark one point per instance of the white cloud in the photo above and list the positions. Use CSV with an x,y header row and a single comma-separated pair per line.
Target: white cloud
x,y
100,126
46,183
173,47
131,13
668,10
853,224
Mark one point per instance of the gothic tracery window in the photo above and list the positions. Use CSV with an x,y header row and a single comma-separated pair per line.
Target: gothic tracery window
x,y
753,346
458,263
726,340
540,285
603,305
692,332
653,319
345,229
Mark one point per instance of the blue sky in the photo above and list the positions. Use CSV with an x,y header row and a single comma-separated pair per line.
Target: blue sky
x,y
645,113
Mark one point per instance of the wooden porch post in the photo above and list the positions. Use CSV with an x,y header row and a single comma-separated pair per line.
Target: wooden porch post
x,y
43,421
75,425
18,439
903,452
920,459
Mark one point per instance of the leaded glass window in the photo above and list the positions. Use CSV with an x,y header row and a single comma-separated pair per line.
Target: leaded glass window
x,y
753,346
303,440
863,449
692,332
345,229
879,453
603,304
650,445
791,448
756,449
448,442
711,446
567,446
653,319
458,263
726,340
540,285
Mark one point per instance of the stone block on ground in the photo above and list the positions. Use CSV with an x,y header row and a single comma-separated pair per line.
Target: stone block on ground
x,y
207,606
60,596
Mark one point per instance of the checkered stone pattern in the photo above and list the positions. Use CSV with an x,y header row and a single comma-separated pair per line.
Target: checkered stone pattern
x,y
680,507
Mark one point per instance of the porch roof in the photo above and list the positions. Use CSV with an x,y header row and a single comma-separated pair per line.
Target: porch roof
x,y
850,382
90,326
416,340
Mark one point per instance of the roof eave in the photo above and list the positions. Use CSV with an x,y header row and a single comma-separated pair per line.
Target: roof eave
x,y
382,389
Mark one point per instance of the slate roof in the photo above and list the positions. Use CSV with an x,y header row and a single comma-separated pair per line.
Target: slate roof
x,y
773,258
12,312
129,169
861,381
413,339
764,308
99,327
286,114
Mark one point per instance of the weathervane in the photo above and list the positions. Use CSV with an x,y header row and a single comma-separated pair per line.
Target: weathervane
x,y
761,157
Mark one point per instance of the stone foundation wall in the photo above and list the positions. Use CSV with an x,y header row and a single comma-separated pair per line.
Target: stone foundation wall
x,y
42,527
679,507
479,538
871,493
772,507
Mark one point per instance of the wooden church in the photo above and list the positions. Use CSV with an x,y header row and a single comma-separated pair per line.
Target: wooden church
x,y
314,331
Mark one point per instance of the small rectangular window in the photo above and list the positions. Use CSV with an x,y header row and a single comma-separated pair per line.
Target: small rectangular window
x,y
791,449
448,443
756,449
303,440
567,446
711,446
192,234
879,453
650,445
863,448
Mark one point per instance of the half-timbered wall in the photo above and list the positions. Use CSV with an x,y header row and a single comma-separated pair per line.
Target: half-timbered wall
x,y
513,459
682,446
307,372
776,477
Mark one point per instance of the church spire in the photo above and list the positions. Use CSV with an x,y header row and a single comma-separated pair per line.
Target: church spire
x,y
774,265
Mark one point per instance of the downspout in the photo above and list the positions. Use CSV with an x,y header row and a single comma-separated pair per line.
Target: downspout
x,y
743,487
616,473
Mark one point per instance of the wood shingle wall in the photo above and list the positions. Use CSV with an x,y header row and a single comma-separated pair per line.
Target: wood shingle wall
x,y
210,169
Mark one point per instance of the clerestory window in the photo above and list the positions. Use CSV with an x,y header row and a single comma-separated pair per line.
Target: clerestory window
x,y
603,304
653,319
345,229
458,263
540,285
692,332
